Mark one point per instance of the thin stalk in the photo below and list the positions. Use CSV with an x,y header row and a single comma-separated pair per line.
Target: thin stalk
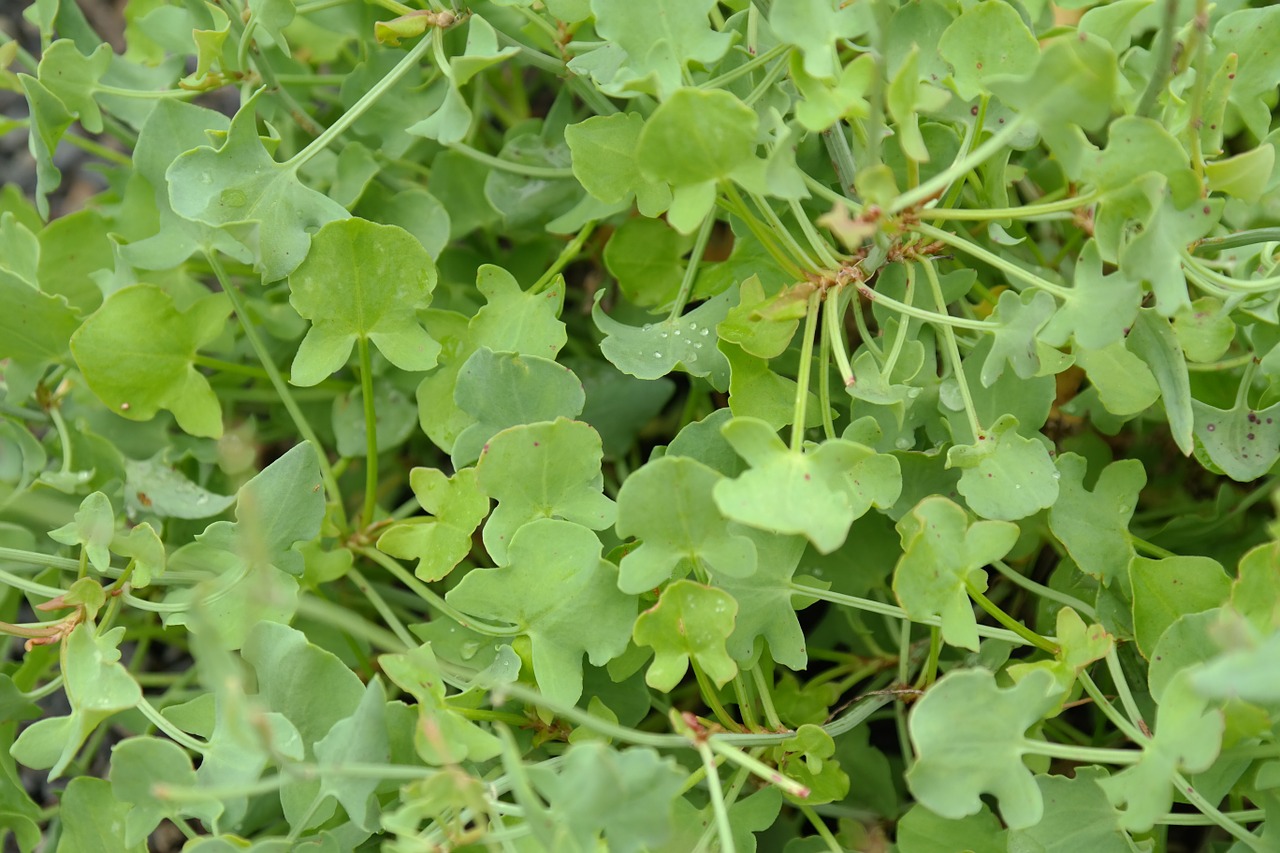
x,y
362,106
691,269
953,351
1241,238
864,333
64,438
835,332
1163,65
837,145
1044,591
1122,688
921,313
510,165
766,698
18,582
745,68
98,150
370,434
824,380
820,827
900,334
733,203
1084,754
384,610
872,606
1008,621
711,697
566,256
434,600
939,182
756,766
802,375
1255,285
178,736
1184,819
277,381
1109,711
819,246
766,82
723,827
1025,211
784,234
745,709
1000,263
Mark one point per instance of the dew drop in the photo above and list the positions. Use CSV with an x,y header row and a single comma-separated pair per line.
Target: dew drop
x,y
657,354
1057,475
664,334
124,407
697,346
677,333
703,332
904,443
206,178
1210,427
1017,485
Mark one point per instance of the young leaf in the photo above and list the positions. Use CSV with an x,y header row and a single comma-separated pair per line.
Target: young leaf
x,y
659,41
71,77
696,136
443,736
1005,475
137,354
816,27
560,594
668,505
988,40
141,764
542,470
689,622
1094,526
359,739
604,162
969,739
439,543
767,603
1100,308
501,390
1165,589
1021,317
363,281
943,556
817,493
93,528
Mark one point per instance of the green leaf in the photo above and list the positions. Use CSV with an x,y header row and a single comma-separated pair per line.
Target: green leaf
x,y
93,528
50,120
36,327
988,40
92,819
515,320
1125,385
766,602
1077,816
501,390
809,758
604,162
1187,738
1242,441
560,594
164,491
668,505
439,543
685,342
1153,257
1205,329
1021,317
627,795
280,508
139,766
696,136
359,739
443,736
1005,475
240,188
646,256
1248,34
1244,176
362,281
72,77
97,687
137,354
309,685
969,739
659,40
542,470
1153,340
689,622
755,391
816,27
764,325
817,493
1100,308
943,556
142,546
1094,526
395,418
1165,589
922,831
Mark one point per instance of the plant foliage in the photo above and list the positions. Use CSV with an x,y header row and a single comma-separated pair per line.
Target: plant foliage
x,y
674,425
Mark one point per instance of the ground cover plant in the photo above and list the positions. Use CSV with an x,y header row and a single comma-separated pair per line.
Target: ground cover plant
x,y
671,425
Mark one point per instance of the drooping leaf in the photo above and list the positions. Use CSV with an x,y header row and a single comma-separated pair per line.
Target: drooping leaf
x,y
686,343
1242,441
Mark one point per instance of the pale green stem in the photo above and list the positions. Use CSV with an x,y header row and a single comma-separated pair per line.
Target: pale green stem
x,y
953,351
436,601
802,375
566,256
766,698
938,184
821,827
384,610
1083,754
1026,211
259,346
1008,621
176,734
64,437
835,331
820,247
1241,238
353,624
362,106
784,233
723,827
515,168
900,334
1122,687
18,582
1012,269
824,380
921,313
1256,285
371,434
745,68
691,269
1044,591
757,767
